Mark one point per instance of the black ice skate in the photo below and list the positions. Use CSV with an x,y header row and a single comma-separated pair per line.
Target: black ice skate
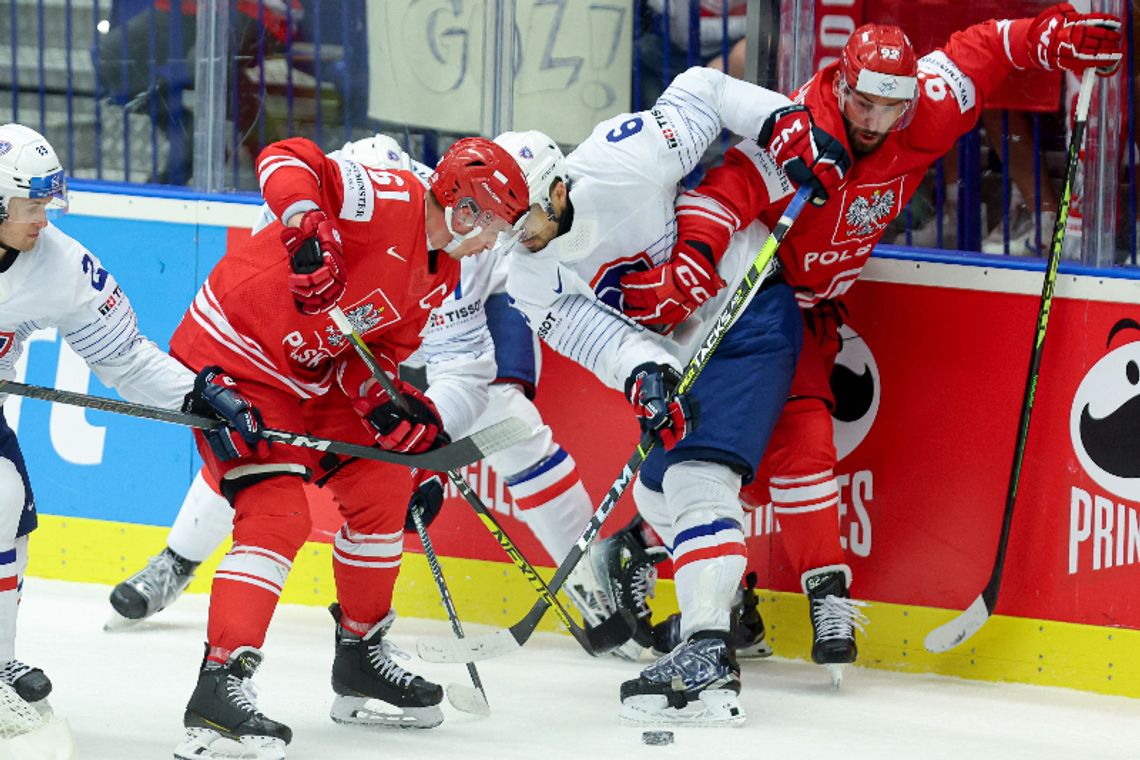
x,y
29,683
834,618
747,626
372,690
222,719
697,684
150,590
627,569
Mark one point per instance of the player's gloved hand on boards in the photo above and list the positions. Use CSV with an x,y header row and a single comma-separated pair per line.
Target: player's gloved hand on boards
x,y
427,496
1061,38
318,278
660,410
215,394
669,293
411,432
808,155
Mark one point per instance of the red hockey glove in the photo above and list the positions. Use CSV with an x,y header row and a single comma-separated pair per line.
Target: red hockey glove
x,y
1061,38
669,416
318,278
411,432
427,496
808,155
668,294
215,394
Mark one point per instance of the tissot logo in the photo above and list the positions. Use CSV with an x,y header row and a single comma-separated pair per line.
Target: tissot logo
x,y
855,385
1105,415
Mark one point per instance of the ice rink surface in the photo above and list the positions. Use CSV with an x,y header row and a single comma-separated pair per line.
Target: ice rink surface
x,y
123,695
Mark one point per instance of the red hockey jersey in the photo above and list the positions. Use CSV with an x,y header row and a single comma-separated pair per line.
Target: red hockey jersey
x,y
829,245
243,318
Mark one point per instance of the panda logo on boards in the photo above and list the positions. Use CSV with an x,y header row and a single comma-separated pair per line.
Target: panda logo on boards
x,y
857,389
1105,415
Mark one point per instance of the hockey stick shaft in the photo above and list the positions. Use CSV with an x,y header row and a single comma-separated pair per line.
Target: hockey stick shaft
x,y
459,454
508,546
495,644
967,624
448,603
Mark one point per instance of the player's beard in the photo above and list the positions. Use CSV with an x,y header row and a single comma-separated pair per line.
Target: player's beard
x,y
857,138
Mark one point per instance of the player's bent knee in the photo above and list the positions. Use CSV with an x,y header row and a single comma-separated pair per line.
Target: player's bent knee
x,y
271,508
697,492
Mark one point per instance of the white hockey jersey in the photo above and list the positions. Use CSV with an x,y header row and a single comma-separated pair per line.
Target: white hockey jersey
x,y
61,284
624,183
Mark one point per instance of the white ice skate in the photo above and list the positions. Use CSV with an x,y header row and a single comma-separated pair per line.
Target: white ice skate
x,y
149,591
697,684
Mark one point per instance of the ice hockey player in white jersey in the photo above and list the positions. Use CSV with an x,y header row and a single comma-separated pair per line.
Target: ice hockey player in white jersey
x,y
482,365
615,215
49,280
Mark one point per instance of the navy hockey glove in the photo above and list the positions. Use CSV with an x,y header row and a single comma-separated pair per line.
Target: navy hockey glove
x,y
318,278
215,394
660,410
427,496
808,155
411,432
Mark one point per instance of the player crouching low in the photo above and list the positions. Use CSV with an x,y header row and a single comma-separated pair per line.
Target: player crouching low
x,y
386,250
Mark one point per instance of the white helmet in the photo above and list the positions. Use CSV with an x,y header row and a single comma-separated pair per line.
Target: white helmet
x,y
379,150
541,160
29,168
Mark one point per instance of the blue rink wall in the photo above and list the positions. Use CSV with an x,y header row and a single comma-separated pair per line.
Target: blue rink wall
x,y
92,464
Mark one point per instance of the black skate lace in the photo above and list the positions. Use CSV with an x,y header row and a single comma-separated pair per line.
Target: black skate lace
x,y
837,617
380,655
13,670
242,692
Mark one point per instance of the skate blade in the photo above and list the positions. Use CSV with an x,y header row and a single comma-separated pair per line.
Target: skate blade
x,y
467,699
362,711
116,623
630,651
207,744
715,708
837,672
755,651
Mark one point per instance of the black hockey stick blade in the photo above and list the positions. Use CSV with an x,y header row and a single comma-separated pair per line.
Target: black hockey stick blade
x,y
457,454
951,634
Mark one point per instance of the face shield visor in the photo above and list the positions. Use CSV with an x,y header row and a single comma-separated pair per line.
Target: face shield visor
x,y
867,110
44,198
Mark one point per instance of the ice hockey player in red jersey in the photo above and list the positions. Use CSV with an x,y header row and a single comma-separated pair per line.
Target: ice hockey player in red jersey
x,y
895,116
385,249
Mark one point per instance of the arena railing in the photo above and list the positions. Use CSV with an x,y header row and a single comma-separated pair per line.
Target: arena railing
x,y
185,93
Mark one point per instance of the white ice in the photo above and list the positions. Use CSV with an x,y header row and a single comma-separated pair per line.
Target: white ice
x,y
123,695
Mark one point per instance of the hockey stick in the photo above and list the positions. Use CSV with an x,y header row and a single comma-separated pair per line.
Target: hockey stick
x,y
967,623
464,698
460,453
504,641
607,635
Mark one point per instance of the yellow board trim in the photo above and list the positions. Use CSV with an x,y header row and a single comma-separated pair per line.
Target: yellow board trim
x,y
1042,652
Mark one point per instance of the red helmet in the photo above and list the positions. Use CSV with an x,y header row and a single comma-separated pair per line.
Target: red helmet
x,y
879,60
479,181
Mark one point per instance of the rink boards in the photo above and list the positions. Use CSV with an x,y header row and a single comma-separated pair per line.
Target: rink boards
x,y
929,388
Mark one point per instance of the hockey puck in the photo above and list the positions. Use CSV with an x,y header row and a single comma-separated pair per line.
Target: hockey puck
x,y
657,737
